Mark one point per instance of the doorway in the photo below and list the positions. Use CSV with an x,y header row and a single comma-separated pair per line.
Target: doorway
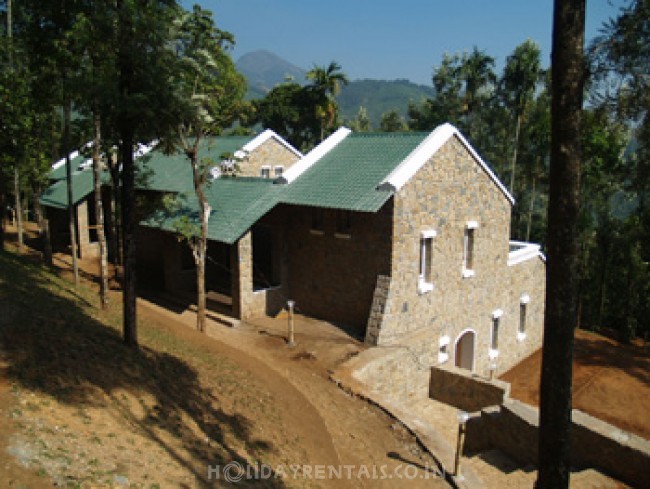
x,y
464,353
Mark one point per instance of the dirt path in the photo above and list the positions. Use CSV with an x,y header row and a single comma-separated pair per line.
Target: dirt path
x,y
82,409
361,435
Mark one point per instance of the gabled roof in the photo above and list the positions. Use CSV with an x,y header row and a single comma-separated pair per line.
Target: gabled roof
x,y
348,174
416,160
56,195
58,168
264,137
237,203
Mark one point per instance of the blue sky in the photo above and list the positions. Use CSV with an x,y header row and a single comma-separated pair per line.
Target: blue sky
x,y
391,39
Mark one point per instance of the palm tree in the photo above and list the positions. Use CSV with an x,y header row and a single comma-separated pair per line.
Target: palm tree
x,y
326,85
521,75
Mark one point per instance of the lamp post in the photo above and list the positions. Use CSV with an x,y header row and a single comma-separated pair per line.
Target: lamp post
x,y
462,425
290,338
493,368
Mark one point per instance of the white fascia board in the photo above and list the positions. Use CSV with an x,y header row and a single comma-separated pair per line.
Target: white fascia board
x,y
525,253
426,149
61,162
265,136
314,155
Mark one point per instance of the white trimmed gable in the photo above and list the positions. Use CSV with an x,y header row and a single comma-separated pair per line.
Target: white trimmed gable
x,y
314,155
265,136
429,147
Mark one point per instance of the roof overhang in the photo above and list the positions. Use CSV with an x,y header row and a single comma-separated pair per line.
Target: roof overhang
x,y
425,150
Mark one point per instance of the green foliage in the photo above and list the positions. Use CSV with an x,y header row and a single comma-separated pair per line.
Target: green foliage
x,y
392,122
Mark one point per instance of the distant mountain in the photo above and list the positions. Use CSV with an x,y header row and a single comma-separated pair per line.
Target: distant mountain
x,y
264,70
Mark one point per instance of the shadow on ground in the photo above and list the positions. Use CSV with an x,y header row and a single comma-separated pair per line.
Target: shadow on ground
x,y
54,346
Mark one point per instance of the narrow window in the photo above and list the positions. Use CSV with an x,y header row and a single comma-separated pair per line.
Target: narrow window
x,y
279,170
343,224
265,171
494,342
425,277
317,221
523,310
468,251
495,333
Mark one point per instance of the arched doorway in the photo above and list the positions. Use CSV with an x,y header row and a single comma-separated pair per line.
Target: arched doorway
x,y
464,352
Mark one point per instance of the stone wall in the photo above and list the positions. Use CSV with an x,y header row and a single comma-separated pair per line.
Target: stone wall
x,y
271,153
450,191
513,428
333,277
460,388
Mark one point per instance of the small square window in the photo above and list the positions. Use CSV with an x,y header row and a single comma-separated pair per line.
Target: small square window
x,y
317,221
343,224
265,171
279,170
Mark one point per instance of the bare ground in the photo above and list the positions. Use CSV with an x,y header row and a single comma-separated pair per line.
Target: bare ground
x,y
79,409
611,381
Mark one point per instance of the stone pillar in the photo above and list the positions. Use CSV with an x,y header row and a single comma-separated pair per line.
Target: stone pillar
x,y
377,310
241,266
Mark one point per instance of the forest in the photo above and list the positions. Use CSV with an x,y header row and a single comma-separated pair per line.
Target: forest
x,y
123,72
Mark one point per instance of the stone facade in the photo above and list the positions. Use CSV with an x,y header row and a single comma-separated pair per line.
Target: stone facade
x,y
271,153
448,195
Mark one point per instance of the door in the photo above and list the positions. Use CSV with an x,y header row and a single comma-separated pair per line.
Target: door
x,y
464,354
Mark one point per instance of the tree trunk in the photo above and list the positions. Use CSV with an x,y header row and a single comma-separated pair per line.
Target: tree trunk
x,y
43,227
68,175
99,214
513,164
531,208
562,244
115,220
128,241
200,250
19,210
3,212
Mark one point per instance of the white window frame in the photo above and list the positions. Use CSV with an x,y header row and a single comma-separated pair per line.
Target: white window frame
x,y
493,352
523,317
469,238
278,171
265,171
427,235
443,348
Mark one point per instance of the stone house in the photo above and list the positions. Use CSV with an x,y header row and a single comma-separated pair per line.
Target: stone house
x,y
401,238
55,202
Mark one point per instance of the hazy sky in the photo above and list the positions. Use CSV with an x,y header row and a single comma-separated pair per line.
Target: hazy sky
x,y
391,39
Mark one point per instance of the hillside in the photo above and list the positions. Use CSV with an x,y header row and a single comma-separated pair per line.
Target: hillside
x,y
264,70
380,96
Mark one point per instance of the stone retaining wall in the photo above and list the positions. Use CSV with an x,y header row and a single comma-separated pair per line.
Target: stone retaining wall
x,y
460,388
513,428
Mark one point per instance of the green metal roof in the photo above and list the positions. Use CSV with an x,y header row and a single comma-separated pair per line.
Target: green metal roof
x,y
347,176
59,173
172,173
237,203
56,195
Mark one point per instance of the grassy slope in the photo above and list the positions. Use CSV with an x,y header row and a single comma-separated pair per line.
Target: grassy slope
x,y
89,410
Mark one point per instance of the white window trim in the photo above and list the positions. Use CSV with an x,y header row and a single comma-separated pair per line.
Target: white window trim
x,y
424,286
276,168
493,353
524,300
468,272
264,168
442,342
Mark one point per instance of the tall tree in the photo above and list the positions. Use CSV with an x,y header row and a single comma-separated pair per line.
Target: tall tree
x,y
391,121
326,84
213,92
568,69
521,75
